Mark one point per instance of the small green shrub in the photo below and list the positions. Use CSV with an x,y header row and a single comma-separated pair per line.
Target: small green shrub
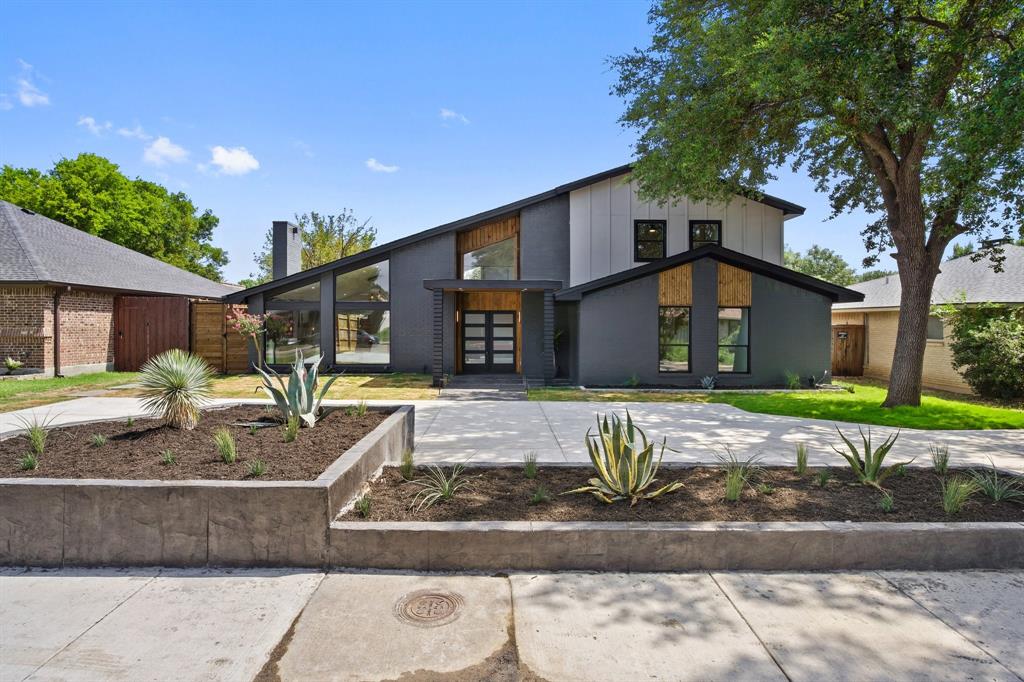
x,y
530,464
940,458
987,344
765,488
899,471
792,380
129,422
408,467
867,466
253,429
29,462
632,382
801,459
167,458
996,486
822,478
707,382
175,384
358,410
11,364
225,443
257,468
363,503
956,491
36,430
886,502
291,430
438,486
540,496
97,440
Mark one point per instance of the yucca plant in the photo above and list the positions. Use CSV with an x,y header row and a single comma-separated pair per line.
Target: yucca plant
x,y
438,486
298,398
175,384
868,467
624,461
996,486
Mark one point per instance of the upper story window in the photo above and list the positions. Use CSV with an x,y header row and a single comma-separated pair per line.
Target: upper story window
x,y
307,293
494,261
648,240
371,283
703,232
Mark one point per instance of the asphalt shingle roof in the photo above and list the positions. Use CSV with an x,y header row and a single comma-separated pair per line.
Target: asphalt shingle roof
x,y
35,249
976,280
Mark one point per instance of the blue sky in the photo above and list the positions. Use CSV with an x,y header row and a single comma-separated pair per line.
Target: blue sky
x,y
412,114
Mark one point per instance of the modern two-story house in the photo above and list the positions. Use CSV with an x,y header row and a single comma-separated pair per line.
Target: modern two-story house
x,y
585,283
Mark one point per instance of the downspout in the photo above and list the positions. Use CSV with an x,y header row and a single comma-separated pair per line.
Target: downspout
x,y
56,333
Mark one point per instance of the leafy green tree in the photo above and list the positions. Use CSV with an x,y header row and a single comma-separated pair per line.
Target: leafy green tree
x,y
960,250
869,275
90,193
987,344
822,263
325,238
908,109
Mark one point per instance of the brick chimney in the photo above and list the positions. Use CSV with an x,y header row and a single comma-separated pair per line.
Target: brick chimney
x,y
286,258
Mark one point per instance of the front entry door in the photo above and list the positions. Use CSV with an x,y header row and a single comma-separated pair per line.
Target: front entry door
x,y
488,341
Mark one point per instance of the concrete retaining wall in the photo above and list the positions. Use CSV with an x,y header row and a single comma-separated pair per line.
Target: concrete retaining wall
x,y
605,546
69,522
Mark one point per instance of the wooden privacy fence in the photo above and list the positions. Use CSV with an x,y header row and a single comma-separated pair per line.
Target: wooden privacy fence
x,y
147,326
215,341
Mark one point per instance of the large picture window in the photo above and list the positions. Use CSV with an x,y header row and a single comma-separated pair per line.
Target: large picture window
x,y
704,232
673,339
370,284
363,337
291,331
307,293
734,340
494,261
648,240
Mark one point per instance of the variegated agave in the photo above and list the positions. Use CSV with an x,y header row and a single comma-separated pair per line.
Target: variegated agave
x,y
297,400
624,461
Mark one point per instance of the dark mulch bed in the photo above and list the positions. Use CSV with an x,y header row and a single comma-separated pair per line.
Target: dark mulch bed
x,y
134,452
503,494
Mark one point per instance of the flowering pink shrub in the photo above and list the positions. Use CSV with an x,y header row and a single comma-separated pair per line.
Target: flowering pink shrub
x,y
249,326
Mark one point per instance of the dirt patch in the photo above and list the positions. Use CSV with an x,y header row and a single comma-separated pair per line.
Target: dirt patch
x,y
503,494
134,451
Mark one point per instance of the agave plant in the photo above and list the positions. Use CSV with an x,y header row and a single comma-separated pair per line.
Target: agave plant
x,y
175,385
297,399
624,461
868,467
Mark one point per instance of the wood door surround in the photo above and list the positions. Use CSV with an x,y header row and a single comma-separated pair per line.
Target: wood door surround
x,y
489,301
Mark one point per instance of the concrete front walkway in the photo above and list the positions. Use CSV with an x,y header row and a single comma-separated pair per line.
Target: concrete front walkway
x,y
501,431
100,625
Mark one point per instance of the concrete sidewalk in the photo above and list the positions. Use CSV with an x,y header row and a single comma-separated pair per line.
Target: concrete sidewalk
x,y
108,624
501,431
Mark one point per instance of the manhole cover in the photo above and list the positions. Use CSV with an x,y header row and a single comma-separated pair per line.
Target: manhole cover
x,y
429,608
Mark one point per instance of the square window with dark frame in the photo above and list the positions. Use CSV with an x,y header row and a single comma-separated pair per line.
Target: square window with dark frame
x,y
648,240
673,339
703,232
734,340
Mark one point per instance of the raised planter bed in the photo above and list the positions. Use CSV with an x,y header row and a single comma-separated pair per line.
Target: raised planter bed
x,y
251,522
799,526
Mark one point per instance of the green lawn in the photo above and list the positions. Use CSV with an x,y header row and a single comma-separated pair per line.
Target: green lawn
x,y
863,406
16,394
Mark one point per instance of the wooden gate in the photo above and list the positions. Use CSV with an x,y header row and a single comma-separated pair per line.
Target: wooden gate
x,y
847,350
147,326
212,339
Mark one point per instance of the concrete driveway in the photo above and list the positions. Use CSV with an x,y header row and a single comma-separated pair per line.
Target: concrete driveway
x,y
106,624
501,431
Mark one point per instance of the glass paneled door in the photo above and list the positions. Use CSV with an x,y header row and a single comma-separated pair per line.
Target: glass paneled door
x,y
488,341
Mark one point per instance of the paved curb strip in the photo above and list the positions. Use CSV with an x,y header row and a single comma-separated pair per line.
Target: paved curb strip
x,y
639,546
103,522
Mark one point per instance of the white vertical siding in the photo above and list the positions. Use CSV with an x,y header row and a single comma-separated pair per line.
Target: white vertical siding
x,y
601,227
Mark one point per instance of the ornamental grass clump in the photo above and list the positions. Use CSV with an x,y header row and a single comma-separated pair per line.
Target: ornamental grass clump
x,y
801,459
297,399
30,462
36,430
225,443
530,464
956,491
408,466
940,458
624,462
738,473
867,467
175,385
438,486
996,486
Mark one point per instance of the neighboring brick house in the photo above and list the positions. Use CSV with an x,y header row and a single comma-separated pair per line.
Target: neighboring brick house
x,y
61,291
868,327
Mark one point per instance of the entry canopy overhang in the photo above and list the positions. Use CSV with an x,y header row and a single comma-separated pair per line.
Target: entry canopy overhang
x,y
492,284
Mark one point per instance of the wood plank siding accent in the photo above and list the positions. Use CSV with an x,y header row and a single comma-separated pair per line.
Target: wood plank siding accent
x,y
675,286
489,300
488,234
847,318
733,286
213,340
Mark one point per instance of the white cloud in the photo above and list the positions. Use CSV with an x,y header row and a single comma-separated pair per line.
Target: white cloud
x,y
137,132
28,93
161,151
449,115
233,160
378,167
94,127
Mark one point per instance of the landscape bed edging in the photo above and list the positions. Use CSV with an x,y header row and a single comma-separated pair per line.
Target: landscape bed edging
x,y
665,546
107,522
